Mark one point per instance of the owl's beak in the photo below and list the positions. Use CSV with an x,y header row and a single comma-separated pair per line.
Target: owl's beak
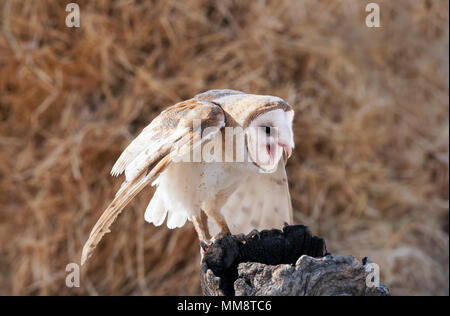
x,y
287,150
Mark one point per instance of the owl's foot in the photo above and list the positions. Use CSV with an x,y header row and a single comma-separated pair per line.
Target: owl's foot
x,y
206,245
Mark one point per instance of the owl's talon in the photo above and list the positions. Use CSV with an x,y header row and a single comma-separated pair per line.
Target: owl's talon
x,y
205,246
254,233
242,238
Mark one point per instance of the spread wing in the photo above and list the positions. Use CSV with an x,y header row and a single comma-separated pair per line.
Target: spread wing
x,y
261,202
175,132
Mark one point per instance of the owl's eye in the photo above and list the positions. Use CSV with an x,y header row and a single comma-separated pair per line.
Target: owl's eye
x,y
267,129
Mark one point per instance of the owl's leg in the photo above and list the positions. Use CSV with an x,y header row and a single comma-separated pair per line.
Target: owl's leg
x,y
201,228
204,221
212,209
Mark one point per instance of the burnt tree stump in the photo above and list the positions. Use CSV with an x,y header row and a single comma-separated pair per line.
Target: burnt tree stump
x,y
287,262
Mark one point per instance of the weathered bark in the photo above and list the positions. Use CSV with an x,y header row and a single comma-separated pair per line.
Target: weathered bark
x,y
288,262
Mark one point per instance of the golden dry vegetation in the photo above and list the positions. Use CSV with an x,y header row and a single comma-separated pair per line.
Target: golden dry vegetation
x,y
370,171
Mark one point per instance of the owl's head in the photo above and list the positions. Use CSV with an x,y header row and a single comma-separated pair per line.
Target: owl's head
x,y
268,136
267,122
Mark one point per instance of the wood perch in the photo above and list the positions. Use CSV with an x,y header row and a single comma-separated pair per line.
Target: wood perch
x,y
289,262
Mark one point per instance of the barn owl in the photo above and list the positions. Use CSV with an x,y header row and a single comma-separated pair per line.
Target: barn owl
x,y
226,195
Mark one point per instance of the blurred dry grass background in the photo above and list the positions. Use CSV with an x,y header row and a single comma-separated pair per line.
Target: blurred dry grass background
x,y
370,171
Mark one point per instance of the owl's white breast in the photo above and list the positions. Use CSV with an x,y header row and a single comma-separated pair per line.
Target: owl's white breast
x,y
183,186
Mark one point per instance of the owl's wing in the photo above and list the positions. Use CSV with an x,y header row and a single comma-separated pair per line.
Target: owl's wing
x,y
261,202
174,133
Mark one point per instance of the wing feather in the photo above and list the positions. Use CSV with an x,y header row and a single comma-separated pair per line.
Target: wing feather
x,y
172,134
144,140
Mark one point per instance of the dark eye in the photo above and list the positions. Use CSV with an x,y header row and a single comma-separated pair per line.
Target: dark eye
x,y
267,130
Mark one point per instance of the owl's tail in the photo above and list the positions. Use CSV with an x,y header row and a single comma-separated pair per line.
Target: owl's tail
x,y
126,193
